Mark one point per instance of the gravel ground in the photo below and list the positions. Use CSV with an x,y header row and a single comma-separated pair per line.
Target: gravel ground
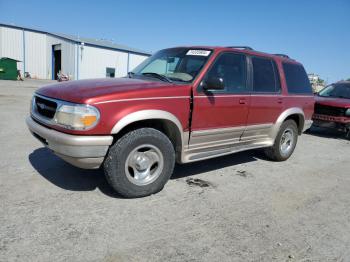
x,y
235,208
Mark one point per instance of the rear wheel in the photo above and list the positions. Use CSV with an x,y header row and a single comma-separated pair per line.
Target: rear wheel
x,y
140,163
285,142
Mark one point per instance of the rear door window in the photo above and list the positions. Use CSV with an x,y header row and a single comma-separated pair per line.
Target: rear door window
x,y
296,78
265,76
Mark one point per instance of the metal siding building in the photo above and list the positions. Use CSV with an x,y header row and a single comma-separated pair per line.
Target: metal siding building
x,y
43,54
11,44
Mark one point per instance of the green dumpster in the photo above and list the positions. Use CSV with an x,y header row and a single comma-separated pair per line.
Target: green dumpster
x,y
8,68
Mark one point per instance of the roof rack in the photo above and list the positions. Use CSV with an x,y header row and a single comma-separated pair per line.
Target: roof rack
x,y
241,47
282,55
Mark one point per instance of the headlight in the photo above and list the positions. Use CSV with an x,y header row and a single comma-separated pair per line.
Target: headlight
x,y
347,112
77,117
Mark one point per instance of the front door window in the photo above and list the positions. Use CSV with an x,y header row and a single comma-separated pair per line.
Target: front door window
x,y
232,69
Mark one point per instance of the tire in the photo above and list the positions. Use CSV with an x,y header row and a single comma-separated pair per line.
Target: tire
x,y
288,130
140,163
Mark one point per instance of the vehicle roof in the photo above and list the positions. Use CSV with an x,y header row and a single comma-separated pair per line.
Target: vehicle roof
x,y
241,50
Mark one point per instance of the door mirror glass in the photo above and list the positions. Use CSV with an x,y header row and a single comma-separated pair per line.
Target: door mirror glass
x,y
213,83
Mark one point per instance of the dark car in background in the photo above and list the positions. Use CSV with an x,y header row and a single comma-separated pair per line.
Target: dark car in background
x,y
332,107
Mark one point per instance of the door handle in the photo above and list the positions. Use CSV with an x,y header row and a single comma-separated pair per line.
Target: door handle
x,y
279,100
242,101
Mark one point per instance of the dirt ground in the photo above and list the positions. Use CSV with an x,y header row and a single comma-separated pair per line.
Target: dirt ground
x,y
240,207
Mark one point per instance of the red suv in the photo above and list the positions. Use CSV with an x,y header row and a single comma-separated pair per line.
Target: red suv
x,y
332,107
180,105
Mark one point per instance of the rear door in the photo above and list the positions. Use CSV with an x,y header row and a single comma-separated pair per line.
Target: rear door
x,y
266,100
219,116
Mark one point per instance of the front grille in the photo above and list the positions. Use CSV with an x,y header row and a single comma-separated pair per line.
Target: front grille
x,y
45,107
329,110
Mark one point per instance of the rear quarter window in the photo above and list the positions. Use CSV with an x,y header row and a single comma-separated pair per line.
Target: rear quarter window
x,y
296,78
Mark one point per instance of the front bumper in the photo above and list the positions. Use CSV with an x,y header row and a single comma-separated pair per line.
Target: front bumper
x,y
81,151
337,122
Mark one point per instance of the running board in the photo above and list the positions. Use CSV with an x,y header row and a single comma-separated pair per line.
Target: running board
x,y
188,156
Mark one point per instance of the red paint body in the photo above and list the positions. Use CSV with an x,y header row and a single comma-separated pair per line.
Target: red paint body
x,y
330,101
216,111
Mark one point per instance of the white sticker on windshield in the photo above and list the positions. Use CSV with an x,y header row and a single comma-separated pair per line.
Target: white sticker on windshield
x,y
198,52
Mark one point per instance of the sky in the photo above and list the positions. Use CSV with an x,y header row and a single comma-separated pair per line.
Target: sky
x,y
314,32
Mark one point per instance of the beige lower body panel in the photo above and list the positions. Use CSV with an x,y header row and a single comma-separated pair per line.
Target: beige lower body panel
x,y
82,162
257,132
81,151
218,142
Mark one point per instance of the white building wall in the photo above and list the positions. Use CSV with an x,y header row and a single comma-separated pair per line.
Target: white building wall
x,y
11,45
135,60
77,62
35,56
67,56
93,62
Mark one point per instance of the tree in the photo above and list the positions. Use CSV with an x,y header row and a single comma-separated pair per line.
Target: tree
x,y
320,82
348,79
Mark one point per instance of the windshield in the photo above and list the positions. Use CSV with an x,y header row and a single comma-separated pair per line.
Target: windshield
x,y
336,90
175,64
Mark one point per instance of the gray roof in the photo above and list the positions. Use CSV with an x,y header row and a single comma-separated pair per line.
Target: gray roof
x,y
87,41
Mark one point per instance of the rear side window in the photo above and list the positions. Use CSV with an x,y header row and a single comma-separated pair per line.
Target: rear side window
x,y
265,78
296,78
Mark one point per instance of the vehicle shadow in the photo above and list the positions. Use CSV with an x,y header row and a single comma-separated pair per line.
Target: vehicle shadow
x,y
208,165
68,177
326,133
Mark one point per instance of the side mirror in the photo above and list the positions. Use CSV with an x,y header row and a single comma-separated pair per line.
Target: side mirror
x,y
213,83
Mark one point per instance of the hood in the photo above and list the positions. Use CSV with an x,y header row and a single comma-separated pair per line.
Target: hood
x,y
333,101
98,90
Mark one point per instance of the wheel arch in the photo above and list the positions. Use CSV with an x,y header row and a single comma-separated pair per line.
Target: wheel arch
x,y
294,113
159,119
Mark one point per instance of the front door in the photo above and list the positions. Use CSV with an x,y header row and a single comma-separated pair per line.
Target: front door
x,y
219,116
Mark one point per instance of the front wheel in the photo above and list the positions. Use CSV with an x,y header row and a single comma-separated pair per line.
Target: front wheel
x,y
285,142
140,163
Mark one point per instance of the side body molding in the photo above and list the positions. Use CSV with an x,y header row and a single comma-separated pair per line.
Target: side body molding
x,y
285,114
147,115
189,155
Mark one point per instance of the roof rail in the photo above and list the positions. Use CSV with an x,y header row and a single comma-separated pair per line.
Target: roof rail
x,y
282,55
241,47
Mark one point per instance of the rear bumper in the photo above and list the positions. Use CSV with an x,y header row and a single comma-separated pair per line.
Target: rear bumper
x,y
81,151
307,125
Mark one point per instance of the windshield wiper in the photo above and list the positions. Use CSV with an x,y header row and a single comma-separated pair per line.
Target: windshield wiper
x,y
178,79
159,76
